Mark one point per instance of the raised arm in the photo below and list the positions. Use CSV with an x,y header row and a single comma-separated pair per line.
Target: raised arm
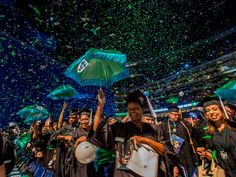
x,y
101,101
60,121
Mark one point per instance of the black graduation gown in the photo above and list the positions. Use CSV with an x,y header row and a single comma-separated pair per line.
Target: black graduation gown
x,y
226,141
104,137
61,150
44,143
186,155
79,169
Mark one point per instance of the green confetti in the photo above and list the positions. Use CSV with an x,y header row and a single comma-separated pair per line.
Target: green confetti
x,y
207,137
9,46
205,128
35,9
13,53
173,100
50,147
214,154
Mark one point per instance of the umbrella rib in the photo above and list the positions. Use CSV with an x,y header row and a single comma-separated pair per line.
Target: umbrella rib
x,y
83,73
104,73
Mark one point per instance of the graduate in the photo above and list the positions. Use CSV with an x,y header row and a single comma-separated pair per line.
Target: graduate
x,y
180,134
110,137
84,133
222,137
62,138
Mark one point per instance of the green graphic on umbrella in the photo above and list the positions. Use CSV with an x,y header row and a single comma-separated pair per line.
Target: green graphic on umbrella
x,y
63,92
99,67
33,111
227,91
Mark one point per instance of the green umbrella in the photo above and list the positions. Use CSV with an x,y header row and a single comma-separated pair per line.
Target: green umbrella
x,y
63,92
23,140
99,67
33,111
227,91
29,120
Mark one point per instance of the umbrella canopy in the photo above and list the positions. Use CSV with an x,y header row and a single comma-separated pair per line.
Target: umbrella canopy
x,y
64,92
227,91
33,111
99,67
29,120
85,96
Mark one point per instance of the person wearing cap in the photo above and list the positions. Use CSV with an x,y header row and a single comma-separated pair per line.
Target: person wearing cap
x,y
181,136
119,133
222,137
62,138
82,134
148,118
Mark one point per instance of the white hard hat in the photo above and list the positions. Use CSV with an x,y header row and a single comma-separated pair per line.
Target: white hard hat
x,y
85,152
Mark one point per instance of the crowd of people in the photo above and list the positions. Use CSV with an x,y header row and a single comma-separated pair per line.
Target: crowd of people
x,y
178,144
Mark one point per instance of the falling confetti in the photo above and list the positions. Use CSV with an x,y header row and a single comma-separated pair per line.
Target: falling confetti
x,y
38,40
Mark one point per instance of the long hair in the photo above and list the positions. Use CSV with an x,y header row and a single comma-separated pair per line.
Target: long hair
x,y
211,125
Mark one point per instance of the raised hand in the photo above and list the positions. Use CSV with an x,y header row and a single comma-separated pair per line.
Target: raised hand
x,y
64,106
101,97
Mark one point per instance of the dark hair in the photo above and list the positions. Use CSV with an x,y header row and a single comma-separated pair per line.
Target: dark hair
x,y
137,97
211,125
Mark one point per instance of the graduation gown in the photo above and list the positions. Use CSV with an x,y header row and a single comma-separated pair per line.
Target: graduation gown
x,y
61,150
106,135
76,168
186,156
224,141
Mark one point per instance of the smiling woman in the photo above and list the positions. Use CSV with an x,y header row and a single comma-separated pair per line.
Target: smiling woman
x,y
222,139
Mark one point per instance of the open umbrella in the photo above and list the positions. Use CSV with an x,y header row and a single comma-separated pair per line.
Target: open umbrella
x,y
98,67
23,140
33,111
227,91
64,92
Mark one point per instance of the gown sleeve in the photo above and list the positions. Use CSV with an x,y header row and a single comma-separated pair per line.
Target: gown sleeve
x,y
105,135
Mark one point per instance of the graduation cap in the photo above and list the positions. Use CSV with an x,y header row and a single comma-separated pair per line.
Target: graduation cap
x,y
173,108
213,100
74,110
138,97
230,105
85,111
209,101
147,113
39,148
